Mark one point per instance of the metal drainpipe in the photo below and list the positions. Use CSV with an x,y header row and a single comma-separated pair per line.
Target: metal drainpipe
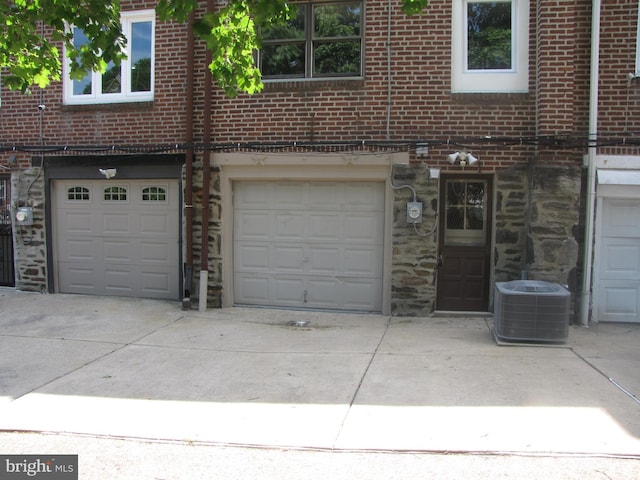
x,y
206,174
388,126
585,303
188,196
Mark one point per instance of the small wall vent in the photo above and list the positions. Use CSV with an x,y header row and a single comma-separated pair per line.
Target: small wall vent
x,y
531,311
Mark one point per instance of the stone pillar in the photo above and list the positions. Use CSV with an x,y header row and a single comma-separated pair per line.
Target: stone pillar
x,y
29,241
413,282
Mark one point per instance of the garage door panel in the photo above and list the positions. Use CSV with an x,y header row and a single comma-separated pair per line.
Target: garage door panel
x,y
116,251
118,281
288,259
154,224
155,282
254,197
78,249
252,225
323,292
251,257
116,223
620,218
79,278
326,227
364,197
287,227
287,290
620,258
367,228
619,303
362,262
288,195
156,253
254,289
362,294
324,260
77,222
311,244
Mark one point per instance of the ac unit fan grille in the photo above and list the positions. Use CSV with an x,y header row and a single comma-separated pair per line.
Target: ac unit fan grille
x,y
530,315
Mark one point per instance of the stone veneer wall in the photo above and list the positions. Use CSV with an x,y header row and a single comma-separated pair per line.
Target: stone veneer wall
x,y
214,284
29,242
537,217
414,264
536,220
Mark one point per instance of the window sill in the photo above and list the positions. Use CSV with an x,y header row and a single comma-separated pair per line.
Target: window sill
x,y
304,84
108,107
489,98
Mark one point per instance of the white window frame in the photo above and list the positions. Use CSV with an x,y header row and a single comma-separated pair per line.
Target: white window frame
x,y
126,95
514,80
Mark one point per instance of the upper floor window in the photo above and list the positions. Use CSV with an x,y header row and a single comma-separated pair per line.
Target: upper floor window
x,y
323,40
490,46
132,80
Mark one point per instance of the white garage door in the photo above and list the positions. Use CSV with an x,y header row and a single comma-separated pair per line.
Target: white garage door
x,y
309,244
618,272
117,237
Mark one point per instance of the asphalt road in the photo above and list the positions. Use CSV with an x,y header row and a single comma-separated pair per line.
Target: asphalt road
x,y
129,459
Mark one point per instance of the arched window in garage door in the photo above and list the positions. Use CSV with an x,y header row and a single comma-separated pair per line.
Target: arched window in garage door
x,y
115,194
78,193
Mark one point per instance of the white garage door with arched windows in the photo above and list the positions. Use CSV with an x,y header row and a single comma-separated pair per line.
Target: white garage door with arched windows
x,y
117,237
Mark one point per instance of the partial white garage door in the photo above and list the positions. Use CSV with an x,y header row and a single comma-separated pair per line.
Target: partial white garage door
x,y
117,237
618,273
309,244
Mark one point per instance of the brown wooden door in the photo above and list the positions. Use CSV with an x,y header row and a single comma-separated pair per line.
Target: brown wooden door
x,y
465,243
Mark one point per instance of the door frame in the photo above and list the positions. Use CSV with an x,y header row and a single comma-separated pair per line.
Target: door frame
x,y
240,166
489,233
129,167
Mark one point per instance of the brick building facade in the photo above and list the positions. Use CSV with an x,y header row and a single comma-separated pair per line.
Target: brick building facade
x,y
309,181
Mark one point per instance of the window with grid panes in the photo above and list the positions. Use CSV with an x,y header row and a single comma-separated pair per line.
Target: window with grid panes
x,y
322,40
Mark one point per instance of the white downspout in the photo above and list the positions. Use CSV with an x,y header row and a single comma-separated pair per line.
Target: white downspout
x,y
585,304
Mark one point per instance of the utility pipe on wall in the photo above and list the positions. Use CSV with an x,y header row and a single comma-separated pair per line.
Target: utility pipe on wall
x,y
389,83
206,174
188,196
585,302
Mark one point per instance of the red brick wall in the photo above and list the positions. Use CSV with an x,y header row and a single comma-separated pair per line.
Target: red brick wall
x,y
619,99
422,106
161,121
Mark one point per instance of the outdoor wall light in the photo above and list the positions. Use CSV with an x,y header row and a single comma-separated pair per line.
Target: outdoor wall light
x,y
463,158
108,172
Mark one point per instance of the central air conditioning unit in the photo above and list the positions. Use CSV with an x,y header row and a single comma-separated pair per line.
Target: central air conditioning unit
x,y
531,311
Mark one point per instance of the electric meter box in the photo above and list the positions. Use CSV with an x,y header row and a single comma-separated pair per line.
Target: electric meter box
x,y
24,216
414,212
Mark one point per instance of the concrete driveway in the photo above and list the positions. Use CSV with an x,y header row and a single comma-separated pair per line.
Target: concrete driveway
x,y
146,369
